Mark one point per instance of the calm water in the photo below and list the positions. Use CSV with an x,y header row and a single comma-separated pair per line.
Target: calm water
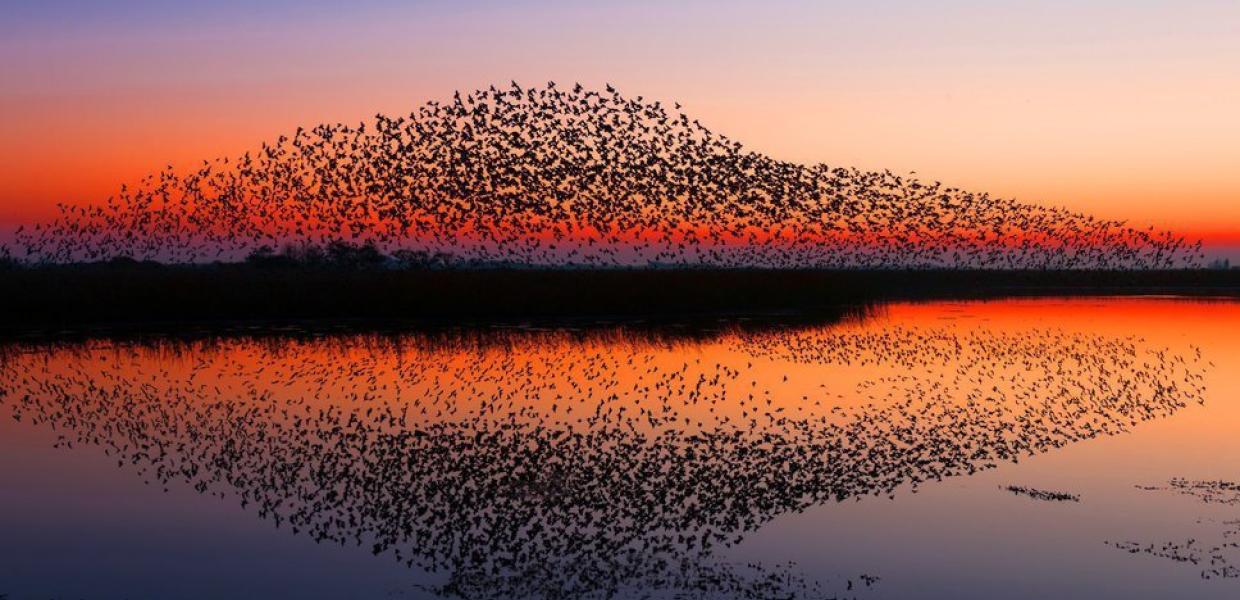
x,y
869,459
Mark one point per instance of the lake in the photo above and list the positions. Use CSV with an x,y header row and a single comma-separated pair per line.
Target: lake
x,y
1031,448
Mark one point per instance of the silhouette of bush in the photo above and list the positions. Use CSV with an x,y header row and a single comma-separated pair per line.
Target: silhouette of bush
x,y
345,255
130,263
305,254
420,259
134,293
337,255
7,262
266,256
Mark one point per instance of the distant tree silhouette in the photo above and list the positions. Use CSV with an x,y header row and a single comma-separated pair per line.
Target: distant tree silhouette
x,y
421,259
344,254
305,254
7,262
337,254
265,256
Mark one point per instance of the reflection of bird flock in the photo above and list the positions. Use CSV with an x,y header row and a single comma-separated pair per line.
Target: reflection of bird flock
x,y
558,176
543,467
1047,495
1219,559
1209,492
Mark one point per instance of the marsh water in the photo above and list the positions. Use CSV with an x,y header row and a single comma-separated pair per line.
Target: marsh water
x,y
1031,448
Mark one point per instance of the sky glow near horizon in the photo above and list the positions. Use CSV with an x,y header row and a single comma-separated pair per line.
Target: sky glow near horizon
x,y
1120,109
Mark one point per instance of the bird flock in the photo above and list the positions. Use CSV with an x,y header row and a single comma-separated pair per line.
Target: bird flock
x,y
569,176
546,466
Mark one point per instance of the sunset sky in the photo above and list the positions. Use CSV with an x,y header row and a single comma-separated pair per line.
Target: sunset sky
x,y
1121,109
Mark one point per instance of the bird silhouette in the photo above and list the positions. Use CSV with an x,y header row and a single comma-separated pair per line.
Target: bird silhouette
x,y
546,464
545,176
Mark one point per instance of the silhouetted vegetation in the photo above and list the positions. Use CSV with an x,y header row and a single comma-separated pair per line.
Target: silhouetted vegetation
x,y
352,283
335,255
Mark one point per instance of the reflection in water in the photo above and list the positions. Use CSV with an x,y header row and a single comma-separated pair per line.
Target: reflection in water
x,y
546,466
1218,558
1046,495
1210,492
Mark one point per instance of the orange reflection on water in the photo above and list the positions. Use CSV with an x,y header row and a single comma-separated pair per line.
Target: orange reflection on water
x,y
466,453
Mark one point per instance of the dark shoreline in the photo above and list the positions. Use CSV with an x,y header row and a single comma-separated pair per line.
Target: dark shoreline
x,y
144,297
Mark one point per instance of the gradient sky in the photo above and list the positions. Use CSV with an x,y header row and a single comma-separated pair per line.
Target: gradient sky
x,y
1124,109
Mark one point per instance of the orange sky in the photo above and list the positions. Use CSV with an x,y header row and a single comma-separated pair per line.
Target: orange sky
x,y
1121,109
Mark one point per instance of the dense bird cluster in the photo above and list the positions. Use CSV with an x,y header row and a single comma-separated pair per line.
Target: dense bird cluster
x,y
569,176
550,467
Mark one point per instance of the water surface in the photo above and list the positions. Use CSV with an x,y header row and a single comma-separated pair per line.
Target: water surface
x,y
1016,448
